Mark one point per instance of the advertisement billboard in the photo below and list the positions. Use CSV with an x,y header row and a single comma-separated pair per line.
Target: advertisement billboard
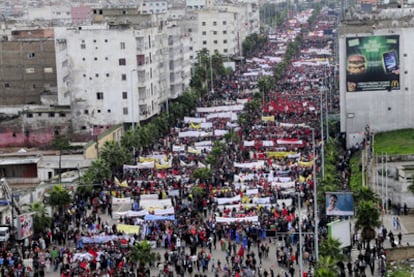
x,y
339,203
372,63
24,226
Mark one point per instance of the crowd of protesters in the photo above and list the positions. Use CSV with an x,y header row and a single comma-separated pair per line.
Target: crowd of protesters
x,y
251,204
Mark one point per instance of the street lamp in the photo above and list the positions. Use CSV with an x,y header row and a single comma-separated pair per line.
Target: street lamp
x,y
211,74
132,97
300,237
315,201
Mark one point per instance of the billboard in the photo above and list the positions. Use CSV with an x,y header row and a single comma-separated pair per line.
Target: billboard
x,y
24,226
372,63
339,203
341,231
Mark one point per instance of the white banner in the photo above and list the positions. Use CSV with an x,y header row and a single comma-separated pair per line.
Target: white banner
x,y
118,201
251,165
219,109
155,204
149,196
194,119
261,200
188,134
227,200
164,211
178,148
237,219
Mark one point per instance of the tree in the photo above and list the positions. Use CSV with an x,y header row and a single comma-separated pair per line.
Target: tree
x,y
115,155
326,267
331,247
97,172
203,174
59,197
41,218
365,194
142,253
367,219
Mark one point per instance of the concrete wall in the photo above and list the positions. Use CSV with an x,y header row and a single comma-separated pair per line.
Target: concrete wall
x,y
400,254
27,69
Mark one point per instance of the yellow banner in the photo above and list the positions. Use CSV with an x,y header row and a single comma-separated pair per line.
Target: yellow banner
x,y
280,154
127,229
268,118
193,151
162,166
195,126
305,164
144,159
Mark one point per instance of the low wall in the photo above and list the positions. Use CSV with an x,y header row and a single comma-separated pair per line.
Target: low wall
x,y
400,253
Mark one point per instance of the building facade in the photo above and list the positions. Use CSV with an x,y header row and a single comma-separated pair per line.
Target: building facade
x,y
376,81
27,66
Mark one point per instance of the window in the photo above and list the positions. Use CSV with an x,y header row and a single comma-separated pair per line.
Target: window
x,y
214,32
123,77
224,32
94,41
203,23
96,75
62,115
125,110
95,58
225,41
191,48
122,61
84,75
34,86
83,46
86,112
31,55
124,95
83,59
214,23
48,70
106,40
107,74
224,23
29,115
190,30
51,114
122,45
204,42
204,33
109,110
99,95
99,111
215,42
6,85
30,70
225,50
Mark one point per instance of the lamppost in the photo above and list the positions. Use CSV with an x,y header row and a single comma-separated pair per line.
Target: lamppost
x,y
315,201
132,97
211,74
300,237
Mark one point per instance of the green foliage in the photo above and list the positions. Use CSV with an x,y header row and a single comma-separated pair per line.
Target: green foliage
x,y
59,196
356,174
253,42
399,142
115,155
98,171
142,253
365,194
330,247
327,267
367,218
197,192
202,174
41,218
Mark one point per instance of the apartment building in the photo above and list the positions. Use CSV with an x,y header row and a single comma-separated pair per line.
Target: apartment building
x,y
121,71
27,66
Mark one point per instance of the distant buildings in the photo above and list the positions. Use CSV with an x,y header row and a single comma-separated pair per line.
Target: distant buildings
x,y
82,69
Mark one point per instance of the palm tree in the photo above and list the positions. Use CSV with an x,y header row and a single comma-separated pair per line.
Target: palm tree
x,y
59,197
115,155
41,218
142,253
326,267
367,219
330,247
365,194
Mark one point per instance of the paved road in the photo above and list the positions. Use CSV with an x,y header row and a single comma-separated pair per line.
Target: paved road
x,y
270,261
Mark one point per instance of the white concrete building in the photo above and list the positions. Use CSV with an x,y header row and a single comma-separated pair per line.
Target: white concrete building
x,y
224,27
376,90
117,74
153,7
